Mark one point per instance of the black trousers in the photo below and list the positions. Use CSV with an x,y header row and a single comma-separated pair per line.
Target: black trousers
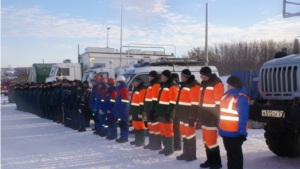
x,y
177,135
233,146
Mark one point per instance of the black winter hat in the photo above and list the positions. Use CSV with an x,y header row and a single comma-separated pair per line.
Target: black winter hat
x,y
86,82
186,73
167,73
206,71
153,73
138,79
80,85
235,82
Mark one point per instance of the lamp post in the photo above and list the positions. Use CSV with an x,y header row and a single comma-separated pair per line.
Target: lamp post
x,y
108,28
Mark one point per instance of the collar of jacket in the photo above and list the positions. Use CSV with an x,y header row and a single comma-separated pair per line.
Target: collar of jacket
x,y
235,92
122,86
110,89
211,81
155,80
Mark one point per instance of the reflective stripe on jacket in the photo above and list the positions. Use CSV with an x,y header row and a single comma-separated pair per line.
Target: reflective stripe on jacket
x,y
234,113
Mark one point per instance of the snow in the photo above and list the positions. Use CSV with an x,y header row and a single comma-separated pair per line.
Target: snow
x,y
31,142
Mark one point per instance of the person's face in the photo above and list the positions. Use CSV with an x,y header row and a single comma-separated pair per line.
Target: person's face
x,y
53,84
136,83
164,78
230,87
150,78
118,83
78,88
204,78
74,84
85,85
183,79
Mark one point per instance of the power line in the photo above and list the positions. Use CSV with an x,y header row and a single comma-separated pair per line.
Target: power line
x,y
102,25
176,27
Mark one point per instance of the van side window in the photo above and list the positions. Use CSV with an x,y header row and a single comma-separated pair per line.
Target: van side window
x,y
65,71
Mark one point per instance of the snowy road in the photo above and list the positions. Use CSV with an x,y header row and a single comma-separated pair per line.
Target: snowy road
x,y
29,142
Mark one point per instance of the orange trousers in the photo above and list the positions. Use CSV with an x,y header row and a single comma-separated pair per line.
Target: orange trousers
x,y
210,135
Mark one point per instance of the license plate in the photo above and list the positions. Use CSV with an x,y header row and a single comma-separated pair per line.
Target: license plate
x,y
272,113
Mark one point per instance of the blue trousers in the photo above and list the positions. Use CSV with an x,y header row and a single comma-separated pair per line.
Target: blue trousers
x,y
97,124
113,126
124,132
105,129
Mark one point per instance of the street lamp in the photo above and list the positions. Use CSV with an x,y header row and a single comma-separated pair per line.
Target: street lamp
x,y
107,35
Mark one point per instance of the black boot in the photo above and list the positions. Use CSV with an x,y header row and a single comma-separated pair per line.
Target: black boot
x,y
156,143
191,155
208,162
216,158
141,138
150,136
135,138
184,154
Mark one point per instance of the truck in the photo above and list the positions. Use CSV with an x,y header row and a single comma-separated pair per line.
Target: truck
x,y
39,72
279,104
65,70
104,61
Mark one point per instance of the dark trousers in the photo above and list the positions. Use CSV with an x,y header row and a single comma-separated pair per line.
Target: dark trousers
x,y
74,116
177,135
81,119
233,146
87,116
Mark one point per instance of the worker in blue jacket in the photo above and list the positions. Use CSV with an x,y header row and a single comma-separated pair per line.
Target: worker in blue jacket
x,y
74,114
92,102
233,121
67,98
107,108
121,108
79,105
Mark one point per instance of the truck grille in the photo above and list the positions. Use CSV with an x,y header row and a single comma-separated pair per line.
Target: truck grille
x,y
279,79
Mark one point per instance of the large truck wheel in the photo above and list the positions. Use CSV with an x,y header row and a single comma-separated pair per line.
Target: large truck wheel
x,y
283,141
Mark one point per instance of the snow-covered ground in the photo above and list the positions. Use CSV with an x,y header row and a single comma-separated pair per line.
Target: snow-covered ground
x,y
31,142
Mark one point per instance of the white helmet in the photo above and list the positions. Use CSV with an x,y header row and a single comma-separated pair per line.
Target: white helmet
x,y
120,78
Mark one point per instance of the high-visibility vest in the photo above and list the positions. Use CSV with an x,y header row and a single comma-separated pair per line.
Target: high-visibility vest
x,y
188,100
167,98
229,116
211,95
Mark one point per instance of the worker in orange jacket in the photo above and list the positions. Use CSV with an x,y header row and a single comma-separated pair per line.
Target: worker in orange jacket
x,y
136,111
211,92
149,105
186,112
165,110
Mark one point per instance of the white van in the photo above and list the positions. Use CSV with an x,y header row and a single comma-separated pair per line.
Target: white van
x,y
143,72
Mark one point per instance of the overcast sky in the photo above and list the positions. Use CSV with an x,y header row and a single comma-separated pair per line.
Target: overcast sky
x,y
33,30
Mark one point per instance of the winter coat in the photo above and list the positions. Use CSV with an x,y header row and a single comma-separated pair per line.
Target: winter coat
x,y
121,108
233,120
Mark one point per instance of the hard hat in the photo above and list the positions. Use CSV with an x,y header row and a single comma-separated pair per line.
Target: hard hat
x,y
120,78
102,80
97,78
111,81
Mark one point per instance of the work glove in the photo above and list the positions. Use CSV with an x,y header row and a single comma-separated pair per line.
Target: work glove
x,y
192,121
108,112
168,118
129,118
243,138
140,116
79,110
101,112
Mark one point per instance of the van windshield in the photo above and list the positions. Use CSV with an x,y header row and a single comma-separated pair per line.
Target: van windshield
x,y
128,77
53,71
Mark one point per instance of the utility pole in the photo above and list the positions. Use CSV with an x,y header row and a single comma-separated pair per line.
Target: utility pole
x,y
108,28
206,32
121,34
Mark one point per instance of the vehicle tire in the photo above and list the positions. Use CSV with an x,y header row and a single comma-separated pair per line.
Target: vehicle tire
x,y
5,94
282,141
